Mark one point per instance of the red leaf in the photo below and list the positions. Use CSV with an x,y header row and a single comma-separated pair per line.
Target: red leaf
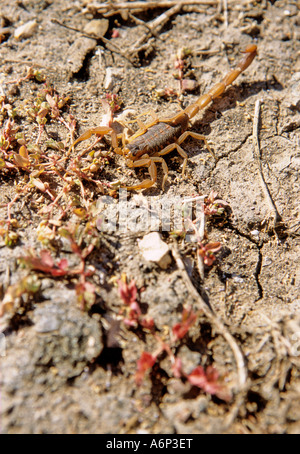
x,y
45,263
127,292
181,328
209,381
147,323
207,252
213,247
130,322
63,264
145,362
115,33
46,258
197,377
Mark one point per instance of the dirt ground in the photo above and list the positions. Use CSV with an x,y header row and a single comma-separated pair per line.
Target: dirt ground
x,y
70,347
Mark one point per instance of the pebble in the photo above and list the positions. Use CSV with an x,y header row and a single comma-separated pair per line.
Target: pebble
x,y
97,27
46,325
153,249
26,30
113,75
47,318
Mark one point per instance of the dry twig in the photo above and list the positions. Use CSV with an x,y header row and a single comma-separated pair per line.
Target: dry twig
x,y
257,157
154,27
134,7
217,323
109,44
225,8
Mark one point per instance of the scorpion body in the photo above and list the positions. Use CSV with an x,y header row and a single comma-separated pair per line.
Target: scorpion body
x,y
159,137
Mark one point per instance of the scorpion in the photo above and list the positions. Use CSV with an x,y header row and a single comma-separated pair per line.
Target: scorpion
x,y
161,136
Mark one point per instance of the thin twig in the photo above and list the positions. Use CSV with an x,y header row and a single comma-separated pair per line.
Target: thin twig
x,y
141,6
225,13
144,24
218,324
24,62
205,52
111,46
154,27
257,157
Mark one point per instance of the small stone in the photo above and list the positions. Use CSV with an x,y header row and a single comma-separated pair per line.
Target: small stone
x,y
97,27
46,325
238,279
47,318
155,250
113,75
26,30
189,84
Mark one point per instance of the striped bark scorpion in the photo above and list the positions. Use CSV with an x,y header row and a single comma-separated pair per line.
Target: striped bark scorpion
x,y
161,136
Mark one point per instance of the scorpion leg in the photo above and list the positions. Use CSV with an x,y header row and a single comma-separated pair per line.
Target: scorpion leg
x,y
150,163
195,136
143,127
165,169
151,168
152,114
180,151
99,131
